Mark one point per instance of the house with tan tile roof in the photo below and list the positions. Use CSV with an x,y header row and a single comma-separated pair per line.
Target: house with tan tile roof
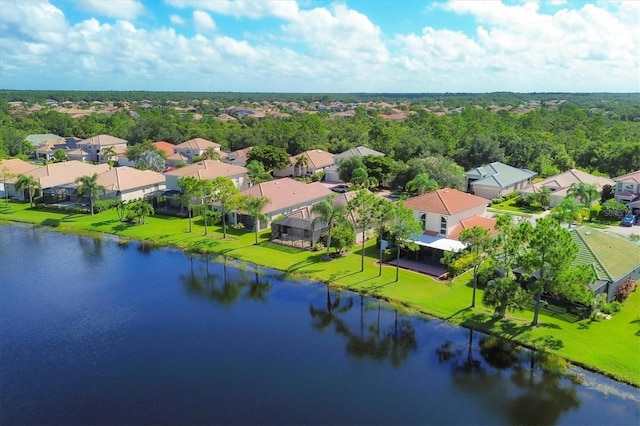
x,y
444,214
287,195
195,147
94,145
238,157
127,183
317,160
560,184
208,169
56,178
9,170
628,190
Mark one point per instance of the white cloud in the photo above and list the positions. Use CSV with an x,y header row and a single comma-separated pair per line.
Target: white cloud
x,y
517,48
284,9
177,20
119,9
203,21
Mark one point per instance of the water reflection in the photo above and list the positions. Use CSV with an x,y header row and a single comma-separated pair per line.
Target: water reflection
x,y
224,284
543,387
91,247
366,339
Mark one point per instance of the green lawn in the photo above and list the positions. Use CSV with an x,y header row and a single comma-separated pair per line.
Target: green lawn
x,y
509,206
611,347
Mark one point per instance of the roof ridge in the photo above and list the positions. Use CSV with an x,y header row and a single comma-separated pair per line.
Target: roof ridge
x,y
593,253
446,207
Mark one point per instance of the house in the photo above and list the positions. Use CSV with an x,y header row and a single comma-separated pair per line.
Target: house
x,y
299,229
497,179
628,190
96,144
285,196
57,180
613,258
208,169
40,138
560,184
316,160
127,183
195,147
166,147
331,173
9,170
444,214
238,157
173,158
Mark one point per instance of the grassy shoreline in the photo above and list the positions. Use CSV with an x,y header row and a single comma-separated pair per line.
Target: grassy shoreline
x,y
609,347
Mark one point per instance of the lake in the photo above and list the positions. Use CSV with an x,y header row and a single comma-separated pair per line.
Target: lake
x,y
93,331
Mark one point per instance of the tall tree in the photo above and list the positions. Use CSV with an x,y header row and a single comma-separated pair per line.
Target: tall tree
x,y
253,207
29,183
328,213
549,252
362,208
383,216
403,229
257,173
89,185
421,183
109,153
584,192
569,211
301,165
188,188
479,246
224,193
271,157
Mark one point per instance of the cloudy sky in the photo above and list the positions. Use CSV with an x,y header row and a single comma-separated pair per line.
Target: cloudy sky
x,y
321,46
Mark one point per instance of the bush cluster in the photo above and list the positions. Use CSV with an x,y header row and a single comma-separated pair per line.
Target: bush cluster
x,y
104,205
625,289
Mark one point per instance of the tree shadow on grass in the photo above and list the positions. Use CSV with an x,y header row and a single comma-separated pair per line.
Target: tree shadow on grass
x,y
54,223
312,260
104,223
72,217
548,342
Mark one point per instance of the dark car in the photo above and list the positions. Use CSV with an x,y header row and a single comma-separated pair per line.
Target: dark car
x,y
628,220
340,188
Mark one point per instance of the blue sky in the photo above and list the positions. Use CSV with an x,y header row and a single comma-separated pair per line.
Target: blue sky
x,y
404,46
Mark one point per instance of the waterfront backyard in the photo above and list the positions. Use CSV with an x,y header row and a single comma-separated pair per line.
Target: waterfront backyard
x,y
610,346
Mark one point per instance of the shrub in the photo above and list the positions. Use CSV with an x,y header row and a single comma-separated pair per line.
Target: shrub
x,y
460,265
104,205
610,308
613,209
319,247
594,211
317,177
487,272
625,289
497,200
511,195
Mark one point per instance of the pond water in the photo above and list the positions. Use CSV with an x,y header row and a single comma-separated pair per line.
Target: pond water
x,y
97,332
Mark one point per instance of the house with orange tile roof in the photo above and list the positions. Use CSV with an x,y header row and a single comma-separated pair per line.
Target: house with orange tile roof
x,y
444,214
166,147
316,160
195,147
286,195
208,169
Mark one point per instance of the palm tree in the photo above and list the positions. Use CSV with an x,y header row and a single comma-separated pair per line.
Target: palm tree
x,y
328,213
302,162
187,185
210,154
27,182
421,183
89,184
108,153
569,211
257,173
585,192
142,209
253,207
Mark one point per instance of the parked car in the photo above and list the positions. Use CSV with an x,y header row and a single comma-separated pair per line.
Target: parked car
x,y
342,188
628,220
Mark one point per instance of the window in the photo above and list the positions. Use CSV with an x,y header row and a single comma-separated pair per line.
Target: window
x,y
423,220
443,225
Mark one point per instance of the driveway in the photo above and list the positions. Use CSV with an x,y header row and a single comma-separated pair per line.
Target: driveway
x,y
626,231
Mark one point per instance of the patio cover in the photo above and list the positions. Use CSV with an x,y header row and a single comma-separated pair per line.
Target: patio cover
x,y
438,242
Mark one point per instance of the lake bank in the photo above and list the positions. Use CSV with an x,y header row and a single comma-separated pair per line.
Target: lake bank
x,y
575,341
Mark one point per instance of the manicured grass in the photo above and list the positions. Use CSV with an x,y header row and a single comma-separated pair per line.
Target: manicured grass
x,y
509,206
611,346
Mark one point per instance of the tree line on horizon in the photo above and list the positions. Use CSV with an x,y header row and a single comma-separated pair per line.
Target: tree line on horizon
x,y
547,140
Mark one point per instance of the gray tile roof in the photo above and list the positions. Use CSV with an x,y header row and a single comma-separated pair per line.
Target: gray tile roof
x,y
499,175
